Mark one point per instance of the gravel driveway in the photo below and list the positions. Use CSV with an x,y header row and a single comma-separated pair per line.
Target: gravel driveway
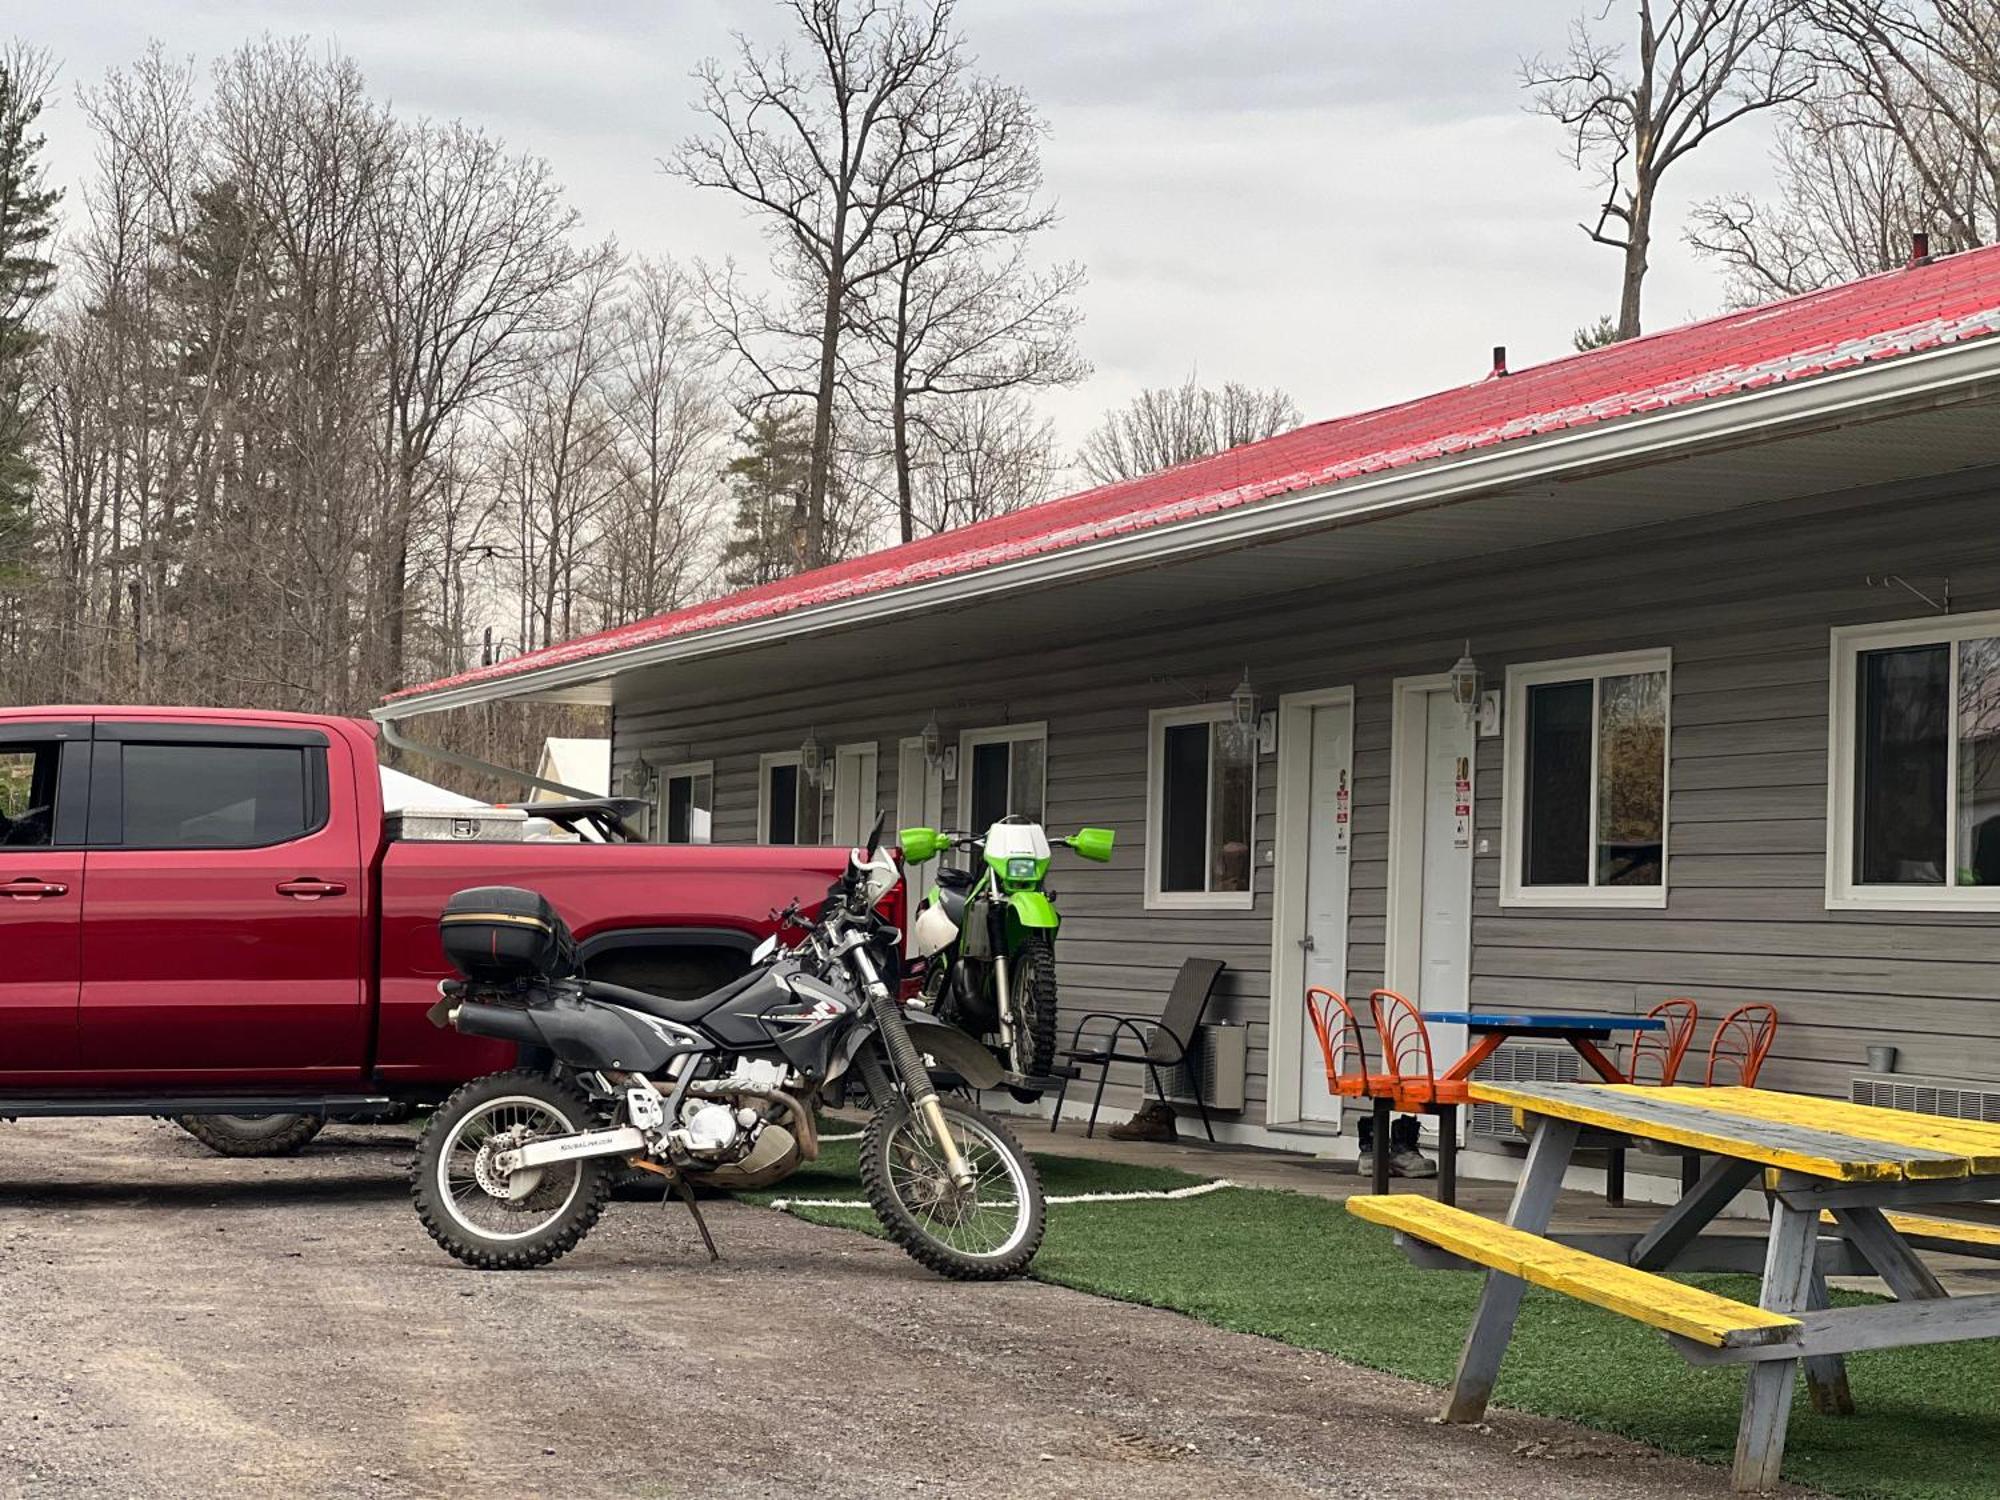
x,y
181,1325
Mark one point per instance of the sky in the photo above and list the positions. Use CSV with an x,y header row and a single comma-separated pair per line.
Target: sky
x,y
1343,198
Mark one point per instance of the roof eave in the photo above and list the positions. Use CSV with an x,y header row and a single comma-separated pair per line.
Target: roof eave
x,y
1931,377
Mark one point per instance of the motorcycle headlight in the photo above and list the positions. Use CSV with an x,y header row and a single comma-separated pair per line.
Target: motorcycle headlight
x,y
1021,868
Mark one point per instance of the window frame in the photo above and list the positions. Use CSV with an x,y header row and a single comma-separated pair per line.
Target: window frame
x,y
1158,722
786,758
999,734
1846,643
689,770
1514,891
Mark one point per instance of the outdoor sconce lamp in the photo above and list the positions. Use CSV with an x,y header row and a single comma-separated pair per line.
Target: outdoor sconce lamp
x,y
933,738
812,765
1465,682
1242,741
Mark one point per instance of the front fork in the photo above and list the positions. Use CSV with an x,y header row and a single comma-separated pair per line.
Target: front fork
x,y
910,1069
1002,982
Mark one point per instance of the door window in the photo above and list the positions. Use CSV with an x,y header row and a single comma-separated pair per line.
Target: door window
x,y
197,796
28,794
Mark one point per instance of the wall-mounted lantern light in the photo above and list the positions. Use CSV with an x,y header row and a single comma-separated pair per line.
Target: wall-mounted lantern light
x,y
1240,730
933,741
1465,682
812,764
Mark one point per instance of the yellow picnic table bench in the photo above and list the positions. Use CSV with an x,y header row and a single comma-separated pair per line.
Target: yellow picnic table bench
x,y
1839,1178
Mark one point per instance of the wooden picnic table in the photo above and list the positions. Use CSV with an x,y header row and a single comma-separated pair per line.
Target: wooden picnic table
x,y
1838,1177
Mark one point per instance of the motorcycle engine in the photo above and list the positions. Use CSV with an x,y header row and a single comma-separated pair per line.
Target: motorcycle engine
x,y
712,1131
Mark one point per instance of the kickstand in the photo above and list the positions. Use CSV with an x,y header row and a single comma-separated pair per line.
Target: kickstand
x,y
687,1197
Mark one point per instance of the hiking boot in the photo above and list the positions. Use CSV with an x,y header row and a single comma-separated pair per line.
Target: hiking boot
x,y
1153,1123
1406,1157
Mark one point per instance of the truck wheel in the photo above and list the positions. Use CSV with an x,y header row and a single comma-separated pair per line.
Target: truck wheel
x,y
253,1135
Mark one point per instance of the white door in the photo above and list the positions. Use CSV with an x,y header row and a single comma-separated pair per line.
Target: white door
x,y
854,806
919,804
1329,832
1430,860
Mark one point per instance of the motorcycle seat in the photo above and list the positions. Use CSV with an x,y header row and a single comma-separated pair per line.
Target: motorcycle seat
x,y
666,1008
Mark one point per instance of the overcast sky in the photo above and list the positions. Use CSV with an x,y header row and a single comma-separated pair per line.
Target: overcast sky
x,y
1344,198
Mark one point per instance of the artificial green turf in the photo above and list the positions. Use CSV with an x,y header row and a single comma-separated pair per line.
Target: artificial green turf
x,y
1303,1270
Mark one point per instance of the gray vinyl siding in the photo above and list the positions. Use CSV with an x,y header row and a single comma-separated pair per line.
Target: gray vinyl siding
x,y
1744,603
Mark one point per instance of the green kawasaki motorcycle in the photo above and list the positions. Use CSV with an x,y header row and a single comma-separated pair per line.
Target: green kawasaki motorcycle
x,y
987,939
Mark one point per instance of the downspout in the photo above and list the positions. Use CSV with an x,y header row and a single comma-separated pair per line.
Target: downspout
x,y
392,732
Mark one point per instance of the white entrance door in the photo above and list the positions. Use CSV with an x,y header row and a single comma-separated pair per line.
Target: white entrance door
x,y
854,806
1315,840
1430,858
919,804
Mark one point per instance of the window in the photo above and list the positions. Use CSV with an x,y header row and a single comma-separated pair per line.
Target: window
x,y
1002,772
1201,800
787,804
1585,821
687,803
28,794
1913,812
221,796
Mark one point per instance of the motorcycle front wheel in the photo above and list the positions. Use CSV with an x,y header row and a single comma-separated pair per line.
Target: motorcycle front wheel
x,y
496,1222
1034,1006
984,1232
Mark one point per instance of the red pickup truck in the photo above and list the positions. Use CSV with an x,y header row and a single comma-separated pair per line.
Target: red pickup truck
x,y
203,914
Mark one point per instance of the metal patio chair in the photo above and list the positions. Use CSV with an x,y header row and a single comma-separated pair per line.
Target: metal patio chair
x,y
1652,1057
1409,1073
1170,1045
1742,1042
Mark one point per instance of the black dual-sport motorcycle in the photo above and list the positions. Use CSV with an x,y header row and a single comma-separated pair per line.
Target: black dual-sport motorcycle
x,y
515,1168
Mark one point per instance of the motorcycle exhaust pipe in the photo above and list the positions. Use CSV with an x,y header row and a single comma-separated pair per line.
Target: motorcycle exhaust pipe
x,y
509,1023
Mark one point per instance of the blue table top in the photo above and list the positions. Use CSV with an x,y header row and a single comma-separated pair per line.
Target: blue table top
x,y
1481,1020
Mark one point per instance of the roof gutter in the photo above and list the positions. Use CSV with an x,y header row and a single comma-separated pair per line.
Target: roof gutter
x,y
1932,378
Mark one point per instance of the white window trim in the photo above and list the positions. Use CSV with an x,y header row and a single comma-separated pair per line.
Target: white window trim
x,y
689,768
764,764
1513,793
998,734
1158,722
1843,892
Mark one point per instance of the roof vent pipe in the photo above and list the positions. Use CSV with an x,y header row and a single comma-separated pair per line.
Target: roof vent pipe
x,y
1499,360
1920,248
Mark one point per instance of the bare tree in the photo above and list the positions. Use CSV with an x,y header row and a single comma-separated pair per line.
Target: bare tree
x,y
1168,425
829,152
1902,134
962,313
981,457
1698,66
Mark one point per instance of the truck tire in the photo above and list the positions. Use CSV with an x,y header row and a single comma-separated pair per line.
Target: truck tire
x,y
253,1135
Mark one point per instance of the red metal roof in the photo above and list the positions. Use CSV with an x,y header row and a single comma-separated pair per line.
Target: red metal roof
x,y
1951,300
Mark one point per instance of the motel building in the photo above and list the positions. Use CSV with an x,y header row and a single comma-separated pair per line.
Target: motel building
x,y
1668,669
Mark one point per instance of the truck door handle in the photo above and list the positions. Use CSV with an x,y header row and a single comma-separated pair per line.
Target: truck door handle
x,y
27,888
308,889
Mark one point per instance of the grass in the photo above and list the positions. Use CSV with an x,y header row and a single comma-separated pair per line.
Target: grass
x,y
1304,1271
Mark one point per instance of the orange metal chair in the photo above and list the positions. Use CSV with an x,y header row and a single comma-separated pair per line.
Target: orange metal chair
x,y
1657,1053
1660,1053
1742,1042
1340,1045
1410,1072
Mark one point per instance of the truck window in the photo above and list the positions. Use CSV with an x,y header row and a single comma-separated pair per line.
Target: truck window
x,y
218,796
28,794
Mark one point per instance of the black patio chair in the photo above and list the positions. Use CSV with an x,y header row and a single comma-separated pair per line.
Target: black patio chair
x,y
1169,1047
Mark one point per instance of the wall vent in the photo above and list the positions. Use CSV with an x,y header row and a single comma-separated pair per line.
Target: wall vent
x,y
1518,1062
1221,1060
1953,1098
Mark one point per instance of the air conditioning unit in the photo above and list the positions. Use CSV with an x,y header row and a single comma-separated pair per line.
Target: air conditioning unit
x,y
1953,1098
1219,1064
1518,1062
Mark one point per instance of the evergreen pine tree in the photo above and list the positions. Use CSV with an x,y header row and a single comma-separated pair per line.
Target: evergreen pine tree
x,y
769,480
27,276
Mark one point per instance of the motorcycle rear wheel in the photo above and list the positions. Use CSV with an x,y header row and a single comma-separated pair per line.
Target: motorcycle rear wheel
x,y
985,1233
485,1228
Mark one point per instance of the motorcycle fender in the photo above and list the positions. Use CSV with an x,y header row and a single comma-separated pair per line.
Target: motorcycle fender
x,y
952,1050
1033,910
